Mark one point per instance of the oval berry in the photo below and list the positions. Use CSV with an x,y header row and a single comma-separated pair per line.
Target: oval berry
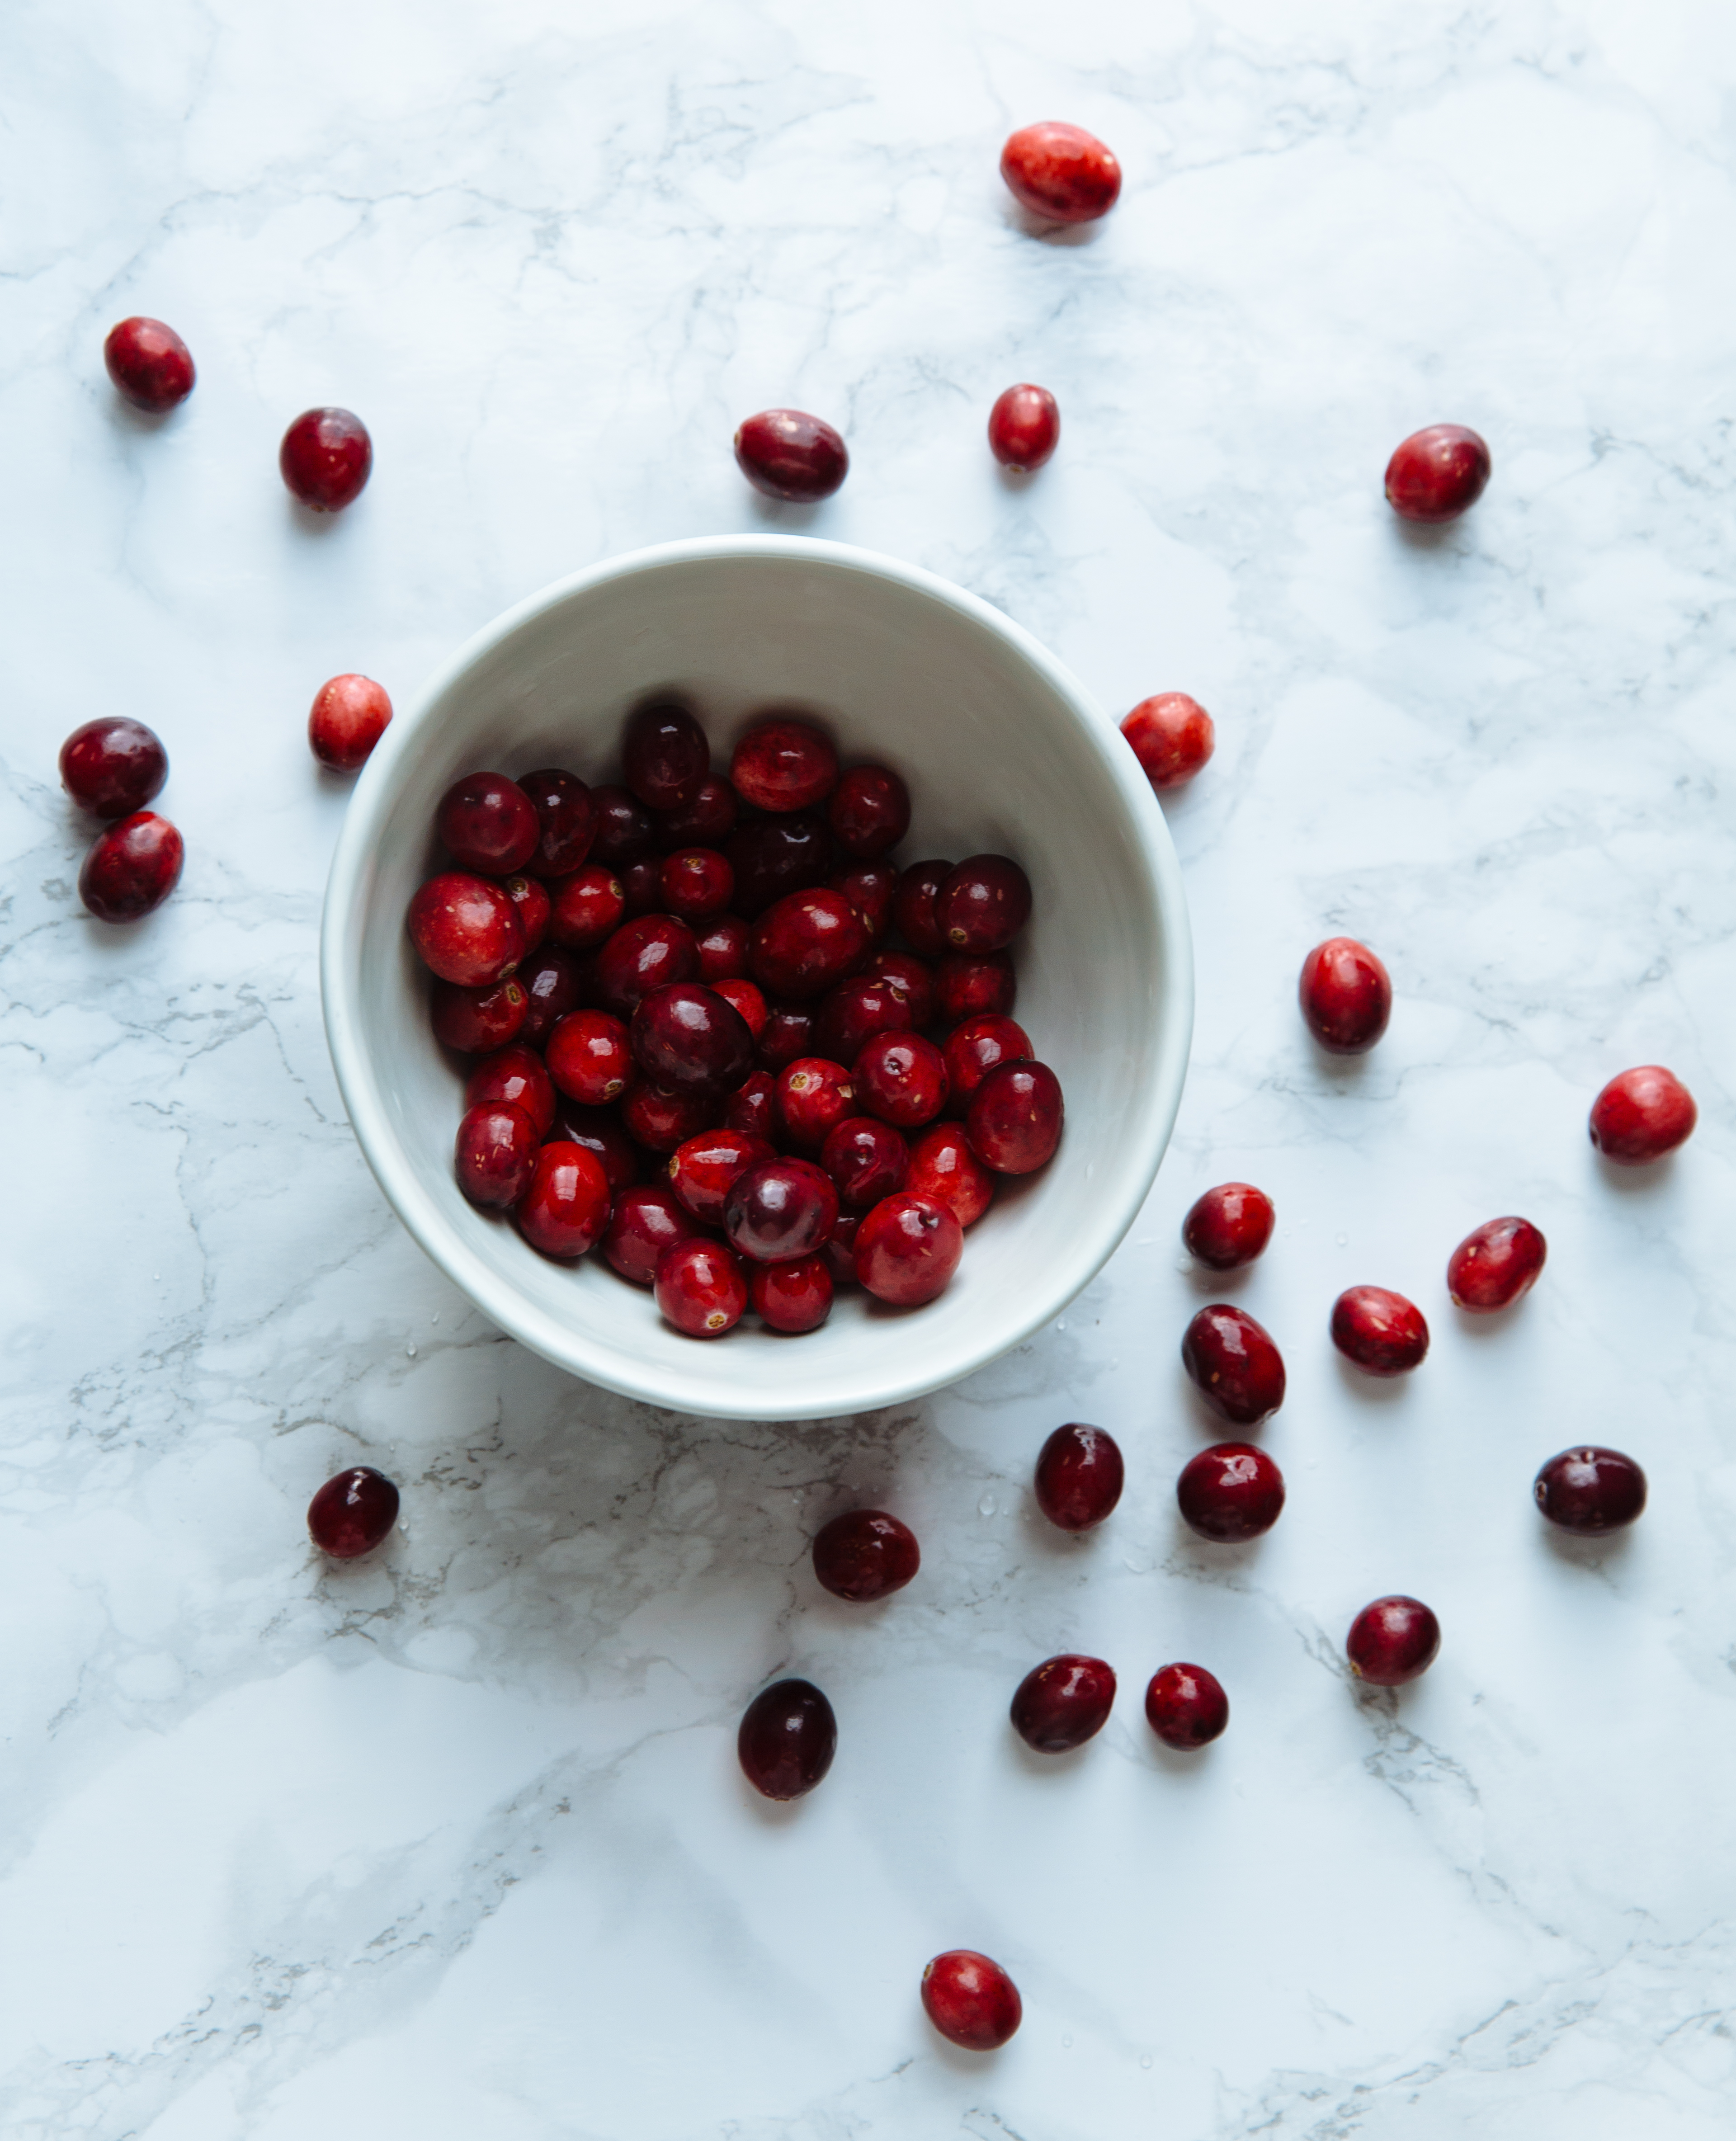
x,y
1641,1114
908,1248
496,1155
1438,473
1380,1332
1063,1702
327,458
700,1287
1060,172
1347,996
1024,428
566,1205
1186,1706
971,2000
352,1513
865,1555
1392,1641
1229,1226
1231,1493
788,453
1080,1476
788,1737
131,868
1172,738
1014,1123
792,1298
113,766
1495,1265
1234,1364
149,363
1589,1490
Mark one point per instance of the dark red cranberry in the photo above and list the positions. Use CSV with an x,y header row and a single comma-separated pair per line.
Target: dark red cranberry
x,y
723,950
908,976
1590,1490
908,1248
664,757
913,907
466,929
349,716
1024,428
515,1074
696,883
780,1210
1060,172
496,1155
1014,1123
783,765
652,953
586,909
866,1159
700,1287
1495,1265
590,1058
1347,996
567,1206
1079,1475
132,867
773,857
974,985
327,458
814,1097
868,811
706,821
1229,1226
752,1107
661,1120
567,817
1063,1702
854,1011
642,888
788,453
1383,1333
702,1170
970,2000
943,1166
600,1132
687,1039
788,1738
1437,473
805,942
1173,737
1186,1706
530,896
1393,1640
901,1079
1641,1114
485,822
149,365
865,1555
1232,1359
647,1219
788,1034
1229,1493
840,1250
973,1049
352,1513
475,1022
743,997
113,766
983,905
550,980
624,830
869,887
793,1297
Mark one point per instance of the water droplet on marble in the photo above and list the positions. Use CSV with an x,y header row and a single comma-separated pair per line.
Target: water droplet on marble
x,y
435,1317
410,1351
986,1507
1067,2042
1145,2059
1341,1239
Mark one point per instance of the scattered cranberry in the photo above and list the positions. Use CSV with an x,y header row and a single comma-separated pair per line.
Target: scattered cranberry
x,y
908,977
1014,1123
466,928
661,1120
705,820
866,1160
908,1248
805,942
664,757
515,1074
1079,1475
745,999
774,856
1495,1265
1024,428
567,1206
700,1287
326,458
782,765
1590,1490
1231,1493
1060,172
913,907
696,883
600,1132
752,1107
1393,1640
974,985
970,2000
686,1039
702,1170
973,1049
901,1079
788,1738
840,1250
650,954
1063,1702
1229,1226
567,817
149,363
113,766
780,1209
869,887
550,979
485,822
1186,1706
788,453
1383,1333
723,950
1172,738
983,905
1232,1359
132,867
590,1057
787,1035
868,811
586,909
865,1555
530,896
856,1010
1437,473
645,1220
1347,996
793,1297
942,1166
476,1021
1641,1114
496,1153
352,1513
624,830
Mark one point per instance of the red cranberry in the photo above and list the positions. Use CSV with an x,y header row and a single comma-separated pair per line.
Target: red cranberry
x,y
530,896
1079,1475
901,1079
589,1057
1495,1265
974,985
664,757
550,980
466,929
700,1287
868,811
642,888
974,1049
1437,473
349,716
624,829
687,1040
752,1107
149,363
914,907
1063,1702
475,1021
1229,1226
701,1171
327,458
113,766
1229,1493
908,977
772,857
942,1166
645,1220
854,1011
788,1738
788,453
743,997
1382,1333
723,950
970,2000
662,1120
1186,1706
1393,1640
787,1035
707,820
1347,996
485,822
792,1298
869,887
805,942
586,909
865,1555
780,1209
696,883
840,1250
1641,1114
866,1160
815,1096
515,1074
352,1513
908,1248
600,1131
132,867
652,953
1014,1123
496,1153
1060,172
1590,1490
782,765
1239,1371
1024,428
567,817
1173,737
566,1205
983,905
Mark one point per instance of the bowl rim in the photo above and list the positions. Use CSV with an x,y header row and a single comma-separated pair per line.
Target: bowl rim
x,y
341,934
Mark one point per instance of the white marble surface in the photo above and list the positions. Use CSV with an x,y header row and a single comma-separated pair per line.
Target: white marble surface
x,y
451,1844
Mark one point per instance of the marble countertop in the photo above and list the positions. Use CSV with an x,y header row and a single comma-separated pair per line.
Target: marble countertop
x,y
451,1842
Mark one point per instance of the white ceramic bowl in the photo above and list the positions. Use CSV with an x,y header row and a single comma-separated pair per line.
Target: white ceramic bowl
x,y
1003,750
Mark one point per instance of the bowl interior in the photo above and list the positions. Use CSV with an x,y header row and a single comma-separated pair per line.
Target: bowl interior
x,y
1001,752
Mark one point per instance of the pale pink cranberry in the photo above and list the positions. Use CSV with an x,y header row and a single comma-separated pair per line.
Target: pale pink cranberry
x,y
586,909
973,1049
530,896
854,1011
131,868
1382,1333
149,363
645,1220
1641,1114
868,811
590,1057
1014,1123
783,765
1063,1702
327,458
700,1287
1234,1363
742,997
517,1074
814,1097
908,1248
906,975
113,766
550,980
566,816
788,453
661,1120
466,929
707,820
1437,474
485,822
1229,1226
1392,1641
722,950
983,905
1024,428
971,2000
475,1021
603,1135
901,1079
566,1205
865,1555
942,1166
866,1159
703,1171
974,985
1495,1265
787,1035
349,716
622,830
649,953
496,1155
805,942
792,1298
1186,1706
353,1512
1080,1476
913,908
869,887
663,756
1060,172
1231,1493
695,883
1347,996
779,1210
1173,737
752,1107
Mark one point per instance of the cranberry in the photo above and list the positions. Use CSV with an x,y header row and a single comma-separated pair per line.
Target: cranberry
x,y
475,1022
1437,473
1393,1640
113,766
1239,1371
664,757
1014,1121
865,1555
1347,996
908,1248
1229,1493
1024,428
700,1287
913,907
1063,1702
1079,1475
661,1120
530,896
1060,172
743,997
970,2000
752,1107
466,929
567,817
695,883
973,986
515,1074
1229,1226
1383,1333
868,1161
723,949
805,942
589,1057
973,1049
840,1250
780,1209
650,953
551,980
567,1206
586,909
1495,1265
701,1171
1590,1490
782,765
772,857
908,976
901,1079
1173,737
131,868
1186,1706
787,1035
706,821
792,1298
868,811
485,822
788,453
645,1220
942,1166
352,1513
815,1096
642,888
496,1153
687,1040
349,716
625,831
327,458
1641,1114
854,1011
787,1740
599,1130
869,887
149,363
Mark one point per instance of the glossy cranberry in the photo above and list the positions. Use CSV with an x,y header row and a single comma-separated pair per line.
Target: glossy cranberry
x,y
854,1011
866,1159
901,1079
496,1153
1382,1333
1014,1121
743,997
1232,1359
1641,1114
624,831
1347,996
530,896
752,1107
485,822
687,1039
868,811
865,1555
696,883
466,929
706,821
645,1220
1080,1476
983,905
661,1120
702,1170
787,1035
1186,1706
149,363
1590,1490
550,979
723,949
782,765
1495,1265
780,1210
943,1166
1393,1640
586,908
793,1297
974,985
650,953
352,1513
517,1074
664,757
788,453
700,1287
1229,1493
349,716
475,1022
589,1057
869,887
1229,1226
113,766
970,2000
567,1206
602,1133
1060,172
973,1049
131,868
1024,428
914,907
908,976
1437,473
908,1248
326,459
1063,1702
642,888
814,1097
566,817
787,1740
1173,737
773,857
805,942
840,1250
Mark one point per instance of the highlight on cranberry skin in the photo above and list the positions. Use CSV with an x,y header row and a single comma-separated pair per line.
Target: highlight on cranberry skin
x,y
1231,1494
1025,428
1063,1702
131,868
1186,1706
783,766
1014,1121
1590,1491
349,716
1234,1363
943,1166
971,2000
908,1248
865,1555
352,1513
1060,172
1392,1641
326,459
466,929
1641,1114
1080,1476
787,453
149,364
1496,1264
565,1209
788,1736
1378,1332
1173,737
1229,1226
701,1288
113,766
1437,474
1347,996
